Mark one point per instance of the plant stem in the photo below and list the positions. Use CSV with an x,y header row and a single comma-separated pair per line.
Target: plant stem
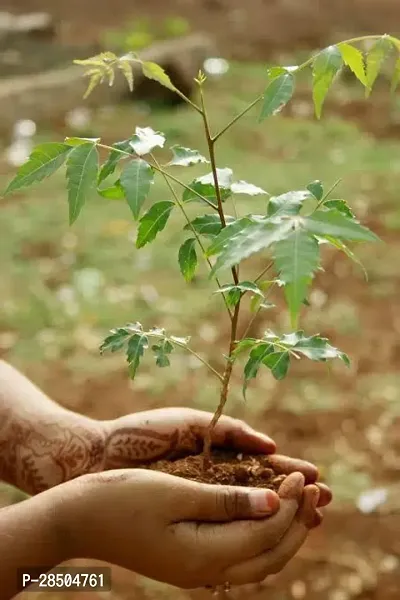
x,y
235,319
220,377
238,116
180,204
328,193
165,173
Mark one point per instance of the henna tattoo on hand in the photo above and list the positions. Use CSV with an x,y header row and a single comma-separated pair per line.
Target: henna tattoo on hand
x,y
37,456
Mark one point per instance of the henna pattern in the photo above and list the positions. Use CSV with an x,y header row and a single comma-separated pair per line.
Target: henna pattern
x,y
35,457
130,446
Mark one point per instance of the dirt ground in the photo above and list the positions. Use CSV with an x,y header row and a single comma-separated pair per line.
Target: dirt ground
x,y
353,556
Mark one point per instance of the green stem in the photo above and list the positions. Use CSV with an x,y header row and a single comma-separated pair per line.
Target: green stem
x,y
180,204
238,116
328,193
214,371
165,173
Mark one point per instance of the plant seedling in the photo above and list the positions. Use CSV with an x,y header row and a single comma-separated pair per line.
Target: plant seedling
x,y
289,232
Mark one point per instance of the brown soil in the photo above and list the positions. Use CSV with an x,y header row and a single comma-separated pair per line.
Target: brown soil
x,y
227,468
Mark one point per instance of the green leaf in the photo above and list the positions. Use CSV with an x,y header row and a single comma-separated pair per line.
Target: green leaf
x,y
136,179
114,192
396,76
287,204
44,160
82,170
242,187
296,259
153,71
184,157
316,189
137,344
116,340
354,59
224,177
145,140
208,225
161,352
332,222
114,157
205,190
188,259
279,363
315,347
341,206
78,141
244,238
256,359
325,66
242,346
153,221
375,59
277,95
235,291
126,67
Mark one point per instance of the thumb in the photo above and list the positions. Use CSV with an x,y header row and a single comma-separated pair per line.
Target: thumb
x,y
221,503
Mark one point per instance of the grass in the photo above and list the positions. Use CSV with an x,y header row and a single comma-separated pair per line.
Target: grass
x,y
64,288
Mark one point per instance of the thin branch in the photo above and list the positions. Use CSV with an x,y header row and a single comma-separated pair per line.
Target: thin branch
x,y
180,204
328,193
238,116
220,377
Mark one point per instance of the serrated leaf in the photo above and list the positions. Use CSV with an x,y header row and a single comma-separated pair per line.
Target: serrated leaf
x,y
256,359
114,157
325,66
277,95
332,222
44,160
235,291
316,189
375,59
224,177
136,179
137,344
354,59
184,157
208,225
161,352
205,190
187,258
278,363
244,238
113,192
153,71
181,341
341,206
296,259
274,72
126,67
396,76
82,170
243,345
115,341
145,140
314,347
95,78
98,60
242,187
153,221
287,204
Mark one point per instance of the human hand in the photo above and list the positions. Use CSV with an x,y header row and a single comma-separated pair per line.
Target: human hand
x,y
185,533
168,432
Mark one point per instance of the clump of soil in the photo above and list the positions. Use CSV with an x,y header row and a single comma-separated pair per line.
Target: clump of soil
x,y
227,468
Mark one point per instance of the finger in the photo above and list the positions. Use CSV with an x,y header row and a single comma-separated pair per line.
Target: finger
x,y
257,569
240,540
285,465
325,494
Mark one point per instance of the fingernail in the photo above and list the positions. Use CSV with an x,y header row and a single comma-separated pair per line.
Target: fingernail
x,y
292,487
263,502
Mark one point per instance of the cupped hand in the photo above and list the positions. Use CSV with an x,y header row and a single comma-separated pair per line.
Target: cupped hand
x,y
185,533
168,432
